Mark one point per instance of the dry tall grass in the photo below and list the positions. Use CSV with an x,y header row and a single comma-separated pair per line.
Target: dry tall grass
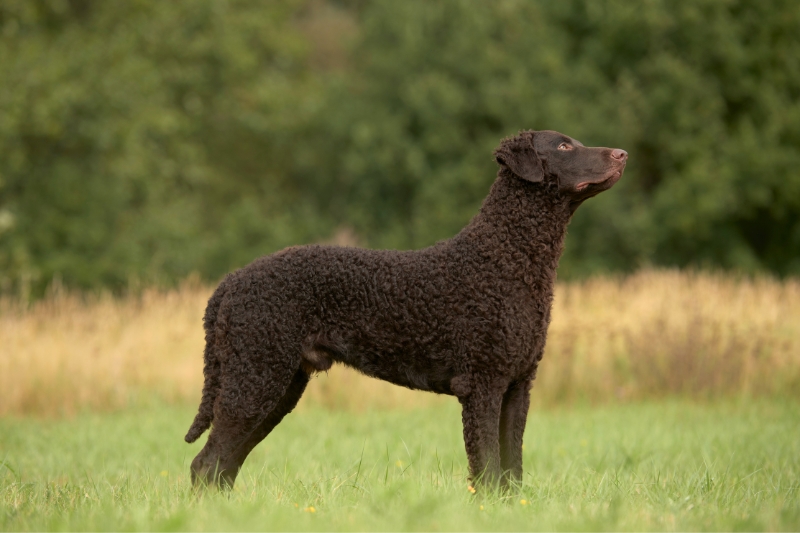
x,y
651,334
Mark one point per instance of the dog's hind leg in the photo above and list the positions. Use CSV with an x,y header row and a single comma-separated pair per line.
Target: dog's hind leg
x,y
232,438
285,406
260,383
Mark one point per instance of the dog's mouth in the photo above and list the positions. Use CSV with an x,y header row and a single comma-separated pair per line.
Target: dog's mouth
x,y
607,181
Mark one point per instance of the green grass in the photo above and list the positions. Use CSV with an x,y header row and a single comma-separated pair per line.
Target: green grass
x,y
656,466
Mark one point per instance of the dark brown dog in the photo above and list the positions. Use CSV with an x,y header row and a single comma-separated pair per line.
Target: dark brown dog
x,y
467,316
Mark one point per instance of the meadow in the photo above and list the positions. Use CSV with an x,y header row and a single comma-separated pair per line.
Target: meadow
x,y
665,401
665,465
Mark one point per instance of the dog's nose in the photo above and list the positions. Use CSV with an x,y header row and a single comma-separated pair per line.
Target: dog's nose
x,y
619,155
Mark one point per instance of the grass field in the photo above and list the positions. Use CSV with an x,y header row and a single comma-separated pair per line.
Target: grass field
x,y
666,465
665,401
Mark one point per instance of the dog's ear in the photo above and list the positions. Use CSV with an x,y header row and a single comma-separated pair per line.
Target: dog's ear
x,y
518,155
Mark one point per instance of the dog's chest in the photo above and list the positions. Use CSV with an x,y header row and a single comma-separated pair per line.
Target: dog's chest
x,y
525,322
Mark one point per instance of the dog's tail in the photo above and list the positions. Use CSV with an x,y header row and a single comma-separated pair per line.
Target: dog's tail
x,y
211,370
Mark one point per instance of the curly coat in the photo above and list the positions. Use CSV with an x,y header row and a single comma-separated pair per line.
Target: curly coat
x,y
467,316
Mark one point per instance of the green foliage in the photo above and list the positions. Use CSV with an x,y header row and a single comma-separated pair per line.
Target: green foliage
x,y
649,467
704,96
143,140
146,140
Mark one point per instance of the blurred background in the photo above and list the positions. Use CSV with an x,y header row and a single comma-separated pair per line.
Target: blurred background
x,y
144,144
141,142
148,147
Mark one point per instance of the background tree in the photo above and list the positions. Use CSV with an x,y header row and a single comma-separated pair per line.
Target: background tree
x,y
147,140
144,140
704,95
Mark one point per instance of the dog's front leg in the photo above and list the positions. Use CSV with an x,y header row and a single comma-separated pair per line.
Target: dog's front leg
x,y
481,405
513,418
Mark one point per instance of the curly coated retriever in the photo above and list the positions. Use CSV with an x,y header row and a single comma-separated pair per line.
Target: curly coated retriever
x,y
466,317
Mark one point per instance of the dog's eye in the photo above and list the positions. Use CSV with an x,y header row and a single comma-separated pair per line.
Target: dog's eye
x,y
565,146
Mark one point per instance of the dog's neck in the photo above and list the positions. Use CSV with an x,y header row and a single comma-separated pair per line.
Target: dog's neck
x,y
526,222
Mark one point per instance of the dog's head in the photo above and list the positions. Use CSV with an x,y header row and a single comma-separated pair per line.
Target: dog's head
x,y
581,172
